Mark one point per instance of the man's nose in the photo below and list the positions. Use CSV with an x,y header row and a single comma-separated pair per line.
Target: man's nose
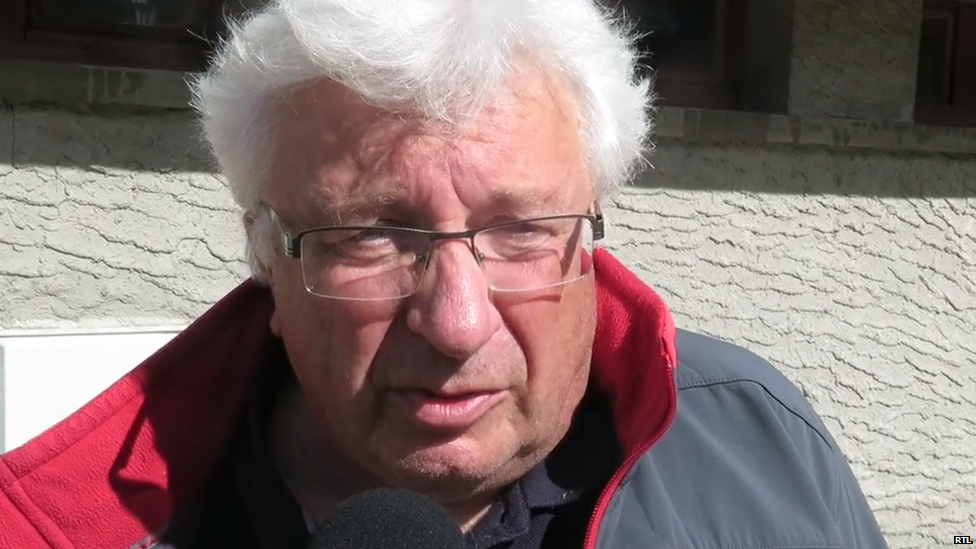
x,y
452,309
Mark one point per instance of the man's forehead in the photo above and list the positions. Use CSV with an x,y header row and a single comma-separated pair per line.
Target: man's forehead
x,y
347,158
323,99
528,89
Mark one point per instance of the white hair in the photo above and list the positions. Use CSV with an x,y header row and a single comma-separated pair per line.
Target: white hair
x,y
441,59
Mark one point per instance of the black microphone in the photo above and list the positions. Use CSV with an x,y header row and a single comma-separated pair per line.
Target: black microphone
x,y
389,519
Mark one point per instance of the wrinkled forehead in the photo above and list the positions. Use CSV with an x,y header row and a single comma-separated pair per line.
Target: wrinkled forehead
x,y
330,145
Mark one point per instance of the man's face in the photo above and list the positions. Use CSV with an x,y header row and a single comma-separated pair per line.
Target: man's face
x,y
456,389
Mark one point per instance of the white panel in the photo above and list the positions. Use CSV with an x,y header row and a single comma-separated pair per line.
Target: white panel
x,y
47,377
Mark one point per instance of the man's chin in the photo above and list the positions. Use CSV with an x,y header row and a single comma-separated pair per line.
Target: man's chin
x,y
447,465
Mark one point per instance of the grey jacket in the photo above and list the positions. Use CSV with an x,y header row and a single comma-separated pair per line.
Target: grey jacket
x,y
746,464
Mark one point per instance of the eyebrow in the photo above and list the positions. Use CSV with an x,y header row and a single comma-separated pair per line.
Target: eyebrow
x,y
519,198
331,211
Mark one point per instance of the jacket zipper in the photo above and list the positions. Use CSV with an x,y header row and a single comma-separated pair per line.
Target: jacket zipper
x,y
604,502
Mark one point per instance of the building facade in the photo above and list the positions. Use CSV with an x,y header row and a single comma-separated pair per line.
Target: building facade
x,y
812,198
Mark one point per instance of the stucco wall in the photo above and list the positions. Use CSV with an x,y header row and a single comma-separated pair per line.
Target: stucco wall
x,y
853,271
108,220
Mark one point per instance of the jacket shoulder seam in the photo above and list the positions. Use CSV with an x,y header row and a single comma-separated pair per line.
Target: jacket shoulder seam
x,y
731,380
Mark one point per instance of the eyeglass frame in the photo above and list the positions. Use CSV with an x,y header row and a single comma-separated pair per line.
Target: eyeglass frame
x,y
292,243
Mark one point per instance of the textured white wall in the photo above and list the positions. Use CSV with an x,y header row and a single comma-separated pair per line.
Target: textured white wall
x,y
854,273
109,220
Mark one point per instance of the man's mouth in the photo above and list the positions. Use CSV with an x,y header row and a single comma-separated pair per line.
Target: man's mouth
x,y
447,410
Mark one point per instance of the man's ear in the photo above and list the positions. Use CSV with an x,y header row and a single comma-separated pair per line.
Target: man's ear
x,y
274,324
257,227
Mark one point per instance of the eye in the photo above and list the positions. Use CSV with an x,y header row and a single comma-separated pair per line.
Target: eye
x,y
368,243
341,246
369,236
525,227
526,230
516,239
378,243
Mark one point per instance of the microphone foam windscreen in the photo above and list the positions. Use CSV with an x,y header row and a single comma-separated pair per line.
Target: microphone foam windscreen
x,y
389,519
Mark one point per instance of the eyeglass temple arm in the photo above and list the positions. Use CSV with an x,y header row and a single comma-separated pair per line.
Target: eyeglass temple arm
x,y
598,229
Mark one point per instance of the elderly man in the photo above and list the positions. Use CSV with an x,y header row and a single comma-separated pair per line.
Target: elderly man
x,y
430,310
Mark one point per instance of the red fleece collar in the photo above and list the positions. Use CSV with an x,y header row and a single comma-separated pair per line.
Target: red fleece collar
x,y
112,473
